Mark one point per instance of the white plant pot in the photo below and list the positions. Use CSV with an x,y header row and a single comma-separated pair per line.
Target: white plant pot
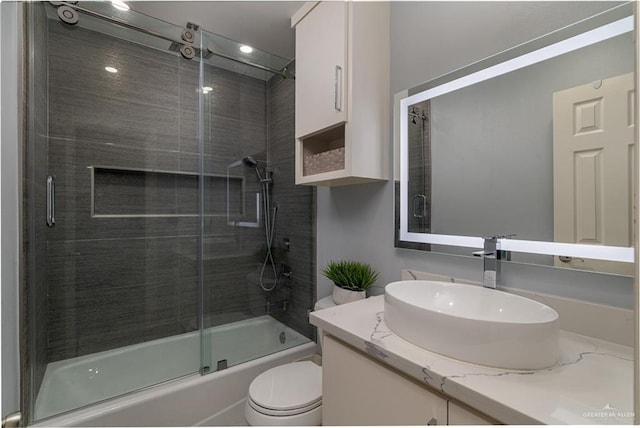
x,y
341,296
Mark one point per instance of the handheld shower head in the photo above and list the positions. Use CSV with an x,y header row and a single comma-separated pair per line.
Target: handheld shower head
x,y
250,162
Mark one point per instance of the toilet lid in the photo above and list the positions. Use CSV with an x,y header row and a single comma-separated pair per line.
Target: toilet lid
x,y
288,387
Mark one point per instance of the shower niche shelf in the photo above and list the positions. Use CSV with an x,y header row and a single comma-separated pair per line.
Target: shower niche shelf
x,y
118,192
342,93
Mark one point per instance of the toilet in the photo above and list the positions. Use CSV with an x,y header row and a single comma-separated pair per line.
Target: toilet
x,y
290,394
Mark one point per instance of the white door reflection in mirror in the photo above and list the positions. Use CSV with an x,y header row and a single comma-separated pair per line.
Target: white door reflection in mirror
x,y
593,144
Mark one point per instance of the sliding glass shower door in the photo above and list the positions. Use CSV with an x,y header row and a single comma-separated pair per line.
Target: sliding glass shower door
x,y
113,183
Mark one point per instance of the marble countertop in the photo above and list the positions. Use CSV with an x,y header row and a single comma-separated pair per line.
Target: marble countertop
x,y
591,384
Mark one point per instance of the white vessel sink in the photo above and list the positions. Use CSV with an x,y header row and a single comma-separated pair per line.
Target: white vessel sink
x,y
473,323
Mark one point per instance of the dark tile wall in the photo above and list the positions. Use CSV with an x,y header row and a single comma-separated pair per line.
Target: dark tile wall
x,y
295,219
110,283
419,135
34,352
420,182
118,281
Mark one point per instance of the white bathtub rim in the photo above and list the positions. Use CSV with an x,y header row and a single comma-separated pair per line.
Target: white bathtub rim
x,y
88,358
79,417
46,409
233,412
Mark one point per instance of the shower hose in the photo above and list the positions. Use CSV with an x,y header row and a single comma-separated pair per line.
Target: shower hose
x,y
269,228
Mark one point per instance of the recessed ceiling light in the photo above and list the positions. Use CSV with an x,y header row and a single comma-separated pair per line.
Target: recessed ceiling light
x,y
111,69
120,5
246,49
206,89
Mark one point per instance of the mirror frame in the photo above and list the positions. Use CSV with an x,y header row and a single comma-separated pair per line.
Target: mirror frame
x,y
608,24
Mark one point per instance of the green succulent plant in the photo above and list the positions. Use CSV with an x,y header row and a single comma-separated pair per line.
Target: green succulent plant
x,y
350,275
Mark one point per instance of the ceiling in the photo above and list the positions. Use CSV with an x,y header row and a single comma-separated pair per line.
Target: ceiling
x,y
264,25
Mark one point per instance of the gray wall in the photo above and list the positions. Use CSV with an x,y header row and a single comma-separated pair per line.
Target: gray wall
x,y
498,136
429,39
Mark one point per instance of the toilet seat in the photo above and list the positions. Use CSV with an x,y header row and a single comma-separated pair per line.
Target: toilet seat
x,y
286,390
310,418
290,412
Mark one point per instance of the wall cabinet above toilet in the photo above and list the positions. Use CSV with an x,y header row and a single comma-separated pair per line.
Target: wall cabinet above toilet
x,y
342,93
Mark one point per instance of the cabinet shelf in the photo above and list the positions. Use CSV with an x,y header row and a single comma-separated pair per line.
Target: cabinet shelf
x,y
323,152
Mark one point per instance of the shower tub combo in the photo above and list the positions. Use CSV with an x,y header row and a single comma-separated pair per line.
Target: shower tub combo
x,y
141,242
247,347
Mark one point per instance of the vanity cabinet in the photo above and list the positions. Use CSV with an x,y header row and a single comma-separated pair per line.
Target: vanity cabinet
x,y
342,93
460,414
359,390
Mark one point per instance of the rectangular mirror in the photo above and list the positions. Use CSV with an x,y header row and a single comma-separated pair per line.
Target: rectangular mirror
x,y
535,144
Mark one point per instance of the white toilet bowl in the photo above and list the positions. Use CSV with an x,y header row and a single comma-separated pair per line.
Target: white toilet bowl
x,y
290,394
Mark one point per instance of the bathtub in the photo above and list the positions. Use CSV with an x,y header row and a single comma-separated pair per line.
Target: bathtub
x,y
87,383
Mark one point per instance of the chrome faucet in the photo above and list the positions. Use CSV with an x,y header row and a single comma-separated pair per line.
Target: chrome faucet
x,y
491,256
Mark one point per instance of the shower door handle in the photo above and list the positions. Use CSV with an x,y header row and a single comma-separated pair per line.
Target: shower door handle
x,y
419,206
337,94
51,200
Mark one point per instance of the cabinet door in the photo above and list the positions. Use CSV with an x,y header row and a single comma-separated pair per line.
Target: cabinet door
x,y
357,390
321,47
462,415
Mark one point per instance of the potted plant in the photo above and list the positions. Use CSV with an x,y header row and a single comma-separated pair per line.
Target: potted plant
x,y
351,280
